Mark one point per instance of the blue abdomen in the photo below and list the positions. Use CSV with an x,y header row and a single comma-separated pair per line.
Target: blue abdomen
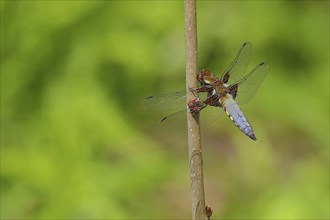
x,y
237,116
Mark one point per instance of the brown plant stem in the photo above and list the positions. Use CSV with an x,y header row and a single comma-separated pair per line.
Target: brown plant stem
x,y
194,141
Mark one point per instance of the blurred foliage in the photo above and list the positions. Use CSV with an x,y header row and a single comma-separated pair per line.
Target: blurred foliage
x,y
76,144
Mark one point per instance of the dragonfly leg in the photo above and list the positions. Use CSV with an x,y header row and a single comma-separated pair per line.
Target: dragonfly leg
x,y
194,92
206,88
195,106
212,100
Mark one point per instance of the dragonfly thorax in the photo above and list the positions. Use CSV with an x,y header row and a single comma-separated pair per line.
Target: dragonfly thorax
x,y
220,88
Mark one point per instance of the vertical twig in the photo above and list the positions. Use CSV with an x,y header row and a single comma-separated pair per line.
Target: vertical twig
x,y
195,149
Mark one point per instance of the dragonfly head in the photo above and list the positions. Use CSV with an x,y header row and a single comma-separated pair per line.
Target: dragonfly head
x,y
205,77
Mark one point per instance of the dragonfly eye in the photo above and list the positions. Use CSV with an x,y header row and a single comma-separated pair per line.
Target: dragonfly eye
x,y
203,75
200,76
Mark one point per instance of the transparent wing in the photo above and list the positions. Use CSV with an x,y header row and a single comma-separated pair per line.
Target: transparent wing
x,y
237,68
171,101
176,102
208,115
249,85
177,119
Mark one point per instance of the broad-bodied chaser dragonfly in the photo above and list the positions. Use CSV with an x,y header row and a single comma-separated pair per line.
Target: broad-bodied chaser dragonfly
x,y
226,92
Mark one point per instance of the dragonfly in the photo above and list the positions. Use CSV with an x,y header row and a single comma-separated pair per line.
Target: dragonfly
x,y
226,92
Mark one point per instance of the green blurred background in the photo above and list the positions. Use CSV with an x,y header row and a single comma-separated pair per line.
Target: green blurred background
x,y
75,142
